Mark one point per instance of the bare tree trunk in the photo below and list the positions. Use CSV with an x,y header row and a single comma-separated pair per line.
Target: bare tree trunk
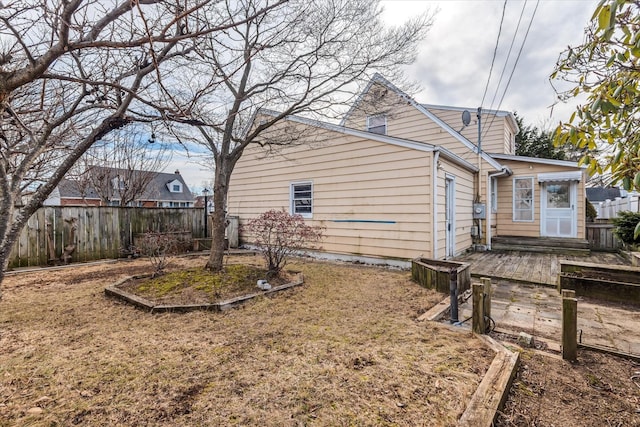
x,y
5,250
220,189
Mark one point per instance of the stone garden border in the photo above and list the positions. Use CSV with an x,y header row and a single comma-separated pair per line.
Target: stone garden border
x,y
114,291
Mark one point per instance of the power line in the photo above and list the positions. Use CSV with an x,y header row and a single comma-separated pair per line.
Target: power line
x,y
504,68
495,51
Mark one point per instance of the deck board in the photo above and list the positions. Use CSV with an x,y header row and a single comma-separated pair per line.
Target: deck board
x,y
528,266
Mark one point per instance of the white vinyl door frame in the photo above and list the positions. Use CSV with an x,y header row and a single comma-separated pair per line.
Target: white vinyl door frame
x,y
450,215
551,218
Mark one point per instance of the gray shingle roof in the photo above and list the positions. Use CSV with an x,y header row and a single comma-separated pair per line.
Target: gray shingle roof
x,y
600,194
157,190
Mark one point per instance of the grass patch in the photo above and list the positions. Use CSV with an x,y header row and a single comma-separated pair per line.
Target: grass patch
x,y
344,349
197,285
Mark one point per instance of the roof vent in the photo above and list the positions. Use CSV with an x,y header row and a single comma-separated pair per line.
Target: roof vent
x,y
177,172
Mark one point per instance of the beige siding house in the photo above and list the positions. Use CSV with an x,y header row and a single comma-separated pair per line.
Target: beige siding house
x,y
397,179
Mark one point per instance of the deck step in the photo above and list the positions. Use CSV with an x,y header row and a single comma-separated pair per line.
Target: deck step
x,y
552,245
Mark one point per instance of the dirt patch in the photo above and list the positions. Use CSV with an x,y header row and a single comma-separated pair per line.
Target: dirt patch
x,y
597,390
344,349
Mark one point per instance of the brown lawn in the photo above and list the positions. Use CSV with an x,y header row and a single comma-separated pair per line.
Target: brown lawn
x,y
343,349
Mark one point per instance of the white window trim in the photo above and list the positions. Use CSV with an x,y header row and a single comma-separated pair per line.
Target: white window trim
x,y
291,208
172,183
533,198
375,116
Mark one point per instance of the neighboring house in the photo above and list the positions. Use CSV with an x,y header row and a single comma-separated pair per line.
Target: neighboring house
x,y
399,179
73,193
600,194
199,202
160,190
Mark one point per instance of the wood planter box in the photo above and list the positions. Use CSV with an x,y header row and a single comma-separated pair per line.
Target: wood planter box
x,y
436,274
606,282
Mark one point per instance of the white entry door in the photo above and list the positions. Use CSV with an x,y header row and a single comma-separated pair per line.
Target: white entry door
x,y
558,209
450,216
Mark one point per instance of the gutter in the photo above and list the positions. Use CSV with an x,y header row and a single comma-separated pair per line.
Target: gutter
x,y
504,172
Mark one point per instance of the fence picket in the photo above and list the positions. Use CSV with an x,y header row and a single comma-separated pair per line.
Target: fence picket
x,y
100,233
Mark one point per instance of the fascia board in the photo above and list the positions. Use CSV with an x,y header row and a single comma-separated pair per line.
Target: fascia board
x,y
552,162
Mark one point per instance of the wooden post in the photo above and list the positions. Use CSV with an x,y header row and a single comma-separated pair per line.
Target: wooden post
x,y
477,322
568,293
486,282
453,294
569,328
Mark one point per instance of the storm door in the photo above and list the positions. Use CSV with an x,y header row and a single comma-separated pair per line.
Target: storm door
x,y
558,209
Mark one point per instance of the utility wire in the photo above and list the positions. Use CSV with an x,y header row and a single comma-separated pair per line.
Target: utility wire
x,y
504,68
495,51
524,40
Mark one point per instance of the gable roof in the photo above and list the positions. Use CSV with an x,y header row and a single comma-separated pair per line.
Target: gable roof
x,y
71,189
401,142
156,190
377,78
498,113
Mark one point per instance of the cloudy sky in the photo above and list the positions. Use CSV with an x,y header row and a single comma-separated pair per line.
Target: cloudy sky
x,y
453,64
454,60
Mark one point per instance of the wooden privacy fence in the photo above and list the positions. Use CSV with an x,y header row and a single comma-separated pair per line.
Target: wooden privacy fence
x,y
601,238
96,232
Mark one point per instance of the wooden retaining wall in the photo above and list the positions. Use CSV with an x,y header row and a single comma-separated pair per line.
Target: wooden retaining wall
x,y
619,283
436,274
99,232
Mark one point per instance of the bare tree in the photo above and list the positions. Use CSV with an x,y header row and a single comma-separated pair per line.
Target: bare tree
x,y
73,71
304,57
121,167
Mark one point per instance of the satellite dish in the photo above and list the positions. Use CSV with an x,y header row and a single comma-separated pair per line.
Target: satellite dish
x,y
466,117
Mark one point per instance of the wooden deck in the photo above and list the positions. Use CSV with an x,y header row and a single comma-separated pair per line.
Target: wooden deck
x,y
529,267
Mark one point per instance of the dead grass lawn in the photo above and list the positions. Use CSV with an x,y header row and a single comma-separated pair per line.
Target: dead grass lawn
x,y
343,349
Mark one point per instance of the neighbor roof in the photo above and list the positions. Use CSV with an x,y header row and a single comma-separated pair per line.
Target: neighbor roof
x,y
600,194
72,189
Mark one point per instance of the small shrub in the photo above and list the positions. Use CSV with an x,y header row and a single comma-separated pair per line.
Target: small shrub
x,y
158,247
626,224
279,235
590,211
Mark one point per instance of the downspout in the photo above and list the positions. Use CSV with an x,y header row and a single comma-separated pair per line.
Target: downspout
x,y
434,192
504,172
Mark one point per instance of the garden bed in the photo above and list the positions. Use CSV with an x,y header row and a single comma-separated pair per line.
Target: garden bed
x,y
193,295
603,282
436,274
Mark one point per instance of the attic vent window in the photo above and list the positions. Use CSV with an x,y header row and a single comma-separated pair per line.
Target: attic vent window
x,y
174,186
377,124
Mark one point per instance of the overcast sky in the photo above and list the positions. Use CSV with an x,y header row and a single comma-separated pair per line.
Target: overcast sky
x,y
453,63
454,60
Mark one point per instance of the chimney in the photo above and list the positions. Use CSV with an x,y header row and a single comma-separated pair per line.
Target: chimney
x,y
177,172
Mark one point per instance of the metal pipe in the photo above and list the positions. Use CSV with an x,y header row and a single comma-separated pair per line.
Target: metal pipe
x,y
453,294
504,172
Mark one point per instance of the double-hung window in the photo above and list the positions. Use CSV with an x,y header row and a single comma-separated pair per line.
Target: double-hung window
x,y
377,124
523,199
301,195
